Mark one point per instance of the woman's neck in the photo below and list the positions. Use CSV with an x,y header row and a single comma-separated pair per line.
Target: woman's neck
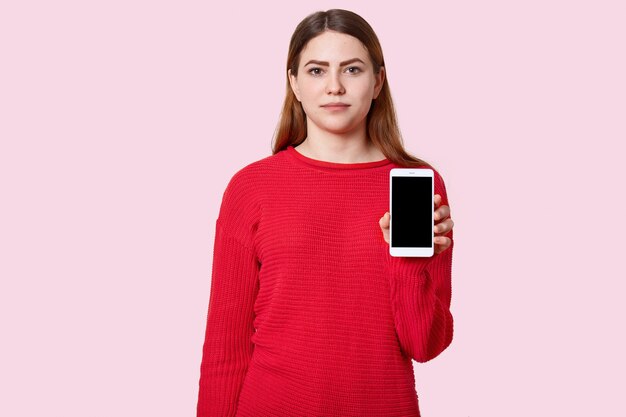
x,y
340,149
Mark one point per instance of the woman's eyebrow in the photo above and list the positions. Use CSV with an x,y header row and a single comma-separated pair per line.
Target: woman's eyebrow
x,y
341,64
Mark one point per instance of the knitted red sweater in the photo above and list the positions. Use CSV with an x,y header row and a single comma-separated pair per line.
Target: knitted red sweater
x,y
309,315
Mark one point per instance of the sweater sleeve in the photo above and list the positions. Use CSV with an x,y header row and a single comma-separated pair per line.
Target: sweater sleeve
x,y
420,296
227,346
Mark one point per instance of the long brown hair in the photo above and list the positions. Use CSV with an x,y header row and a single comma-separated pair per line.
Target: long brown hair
x,y
382,124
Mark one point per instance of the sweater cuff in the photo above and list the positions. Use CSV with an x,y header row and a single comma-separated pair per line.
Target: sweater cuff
x,y
406,267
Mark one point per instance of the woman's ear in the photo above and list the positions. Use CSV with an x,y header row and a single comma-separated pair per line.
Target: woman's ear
x,y
380,79
293,82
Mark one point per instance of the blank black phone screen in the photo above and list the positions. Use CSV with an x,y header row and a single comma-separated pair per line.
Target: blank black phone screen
x,y
411,212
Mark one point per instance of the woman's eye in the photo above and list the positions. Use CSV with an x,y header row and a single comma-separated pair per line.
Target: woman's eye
x,y
315,71
353,70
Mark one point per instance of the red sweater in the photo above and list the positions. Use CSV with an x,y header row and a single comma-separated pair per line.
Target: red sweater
x,y
309,315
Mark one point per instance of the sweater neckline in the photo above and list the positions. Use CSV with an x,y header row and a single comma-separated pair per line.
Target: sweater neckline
x,y
336,165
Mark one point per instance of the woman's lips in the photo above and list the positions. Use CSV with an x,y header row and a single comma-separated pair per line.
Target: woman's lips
x,y
335,106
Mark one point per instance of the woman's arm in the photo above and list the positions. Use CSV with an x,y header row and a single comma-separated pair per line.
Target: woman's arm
x,y
230,323
227,347
420,296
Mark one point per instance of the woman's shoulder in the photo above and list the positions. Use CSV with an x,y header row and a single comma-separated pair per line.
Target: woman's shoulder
x,y
259,171
249,181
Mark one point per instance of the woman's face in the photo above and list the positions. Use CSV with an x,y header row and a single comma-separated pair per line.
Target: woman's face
x,y
336,83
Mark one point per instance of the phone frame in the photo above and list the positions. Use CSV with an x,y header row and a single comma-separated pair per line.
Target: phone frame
x,y
412,251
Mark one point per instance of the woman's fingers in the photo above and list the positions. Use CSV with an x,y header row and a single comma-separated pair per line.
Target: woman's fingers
x,y
384,226
384,221
442,212
442,243
444,227
437,200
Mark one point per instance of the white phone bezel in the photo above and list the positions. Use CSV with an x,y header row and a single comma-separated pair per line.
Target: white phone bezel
x,y
414,251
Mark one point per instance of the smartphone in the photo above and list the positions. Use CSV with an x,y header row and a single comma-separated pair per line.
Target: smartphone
x,y
411,206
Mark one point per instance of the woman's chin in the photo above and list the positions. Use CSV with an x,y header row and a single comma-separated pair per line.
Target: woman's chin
x,y
338,129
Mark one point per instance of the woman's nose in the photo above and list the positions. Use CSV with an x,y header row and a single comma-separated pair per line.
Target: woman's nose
x,y
334,85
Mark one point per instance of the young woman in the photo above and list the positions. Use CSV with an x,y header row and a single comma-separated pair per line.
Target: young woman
x,y
309,315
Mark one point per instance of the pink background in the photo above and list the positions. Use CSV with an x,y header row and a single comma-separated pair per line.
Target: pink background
x,y
122,122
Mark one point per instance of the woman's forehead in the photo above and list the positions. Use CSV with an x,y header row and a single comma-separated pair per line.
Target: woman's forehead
x,y
333,47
